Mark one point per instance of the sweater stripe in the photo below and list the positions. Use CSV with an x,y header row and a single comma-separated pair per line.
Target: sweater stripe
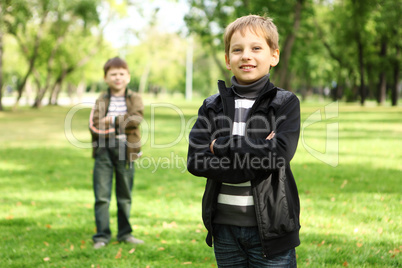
x,y
239,128
235,200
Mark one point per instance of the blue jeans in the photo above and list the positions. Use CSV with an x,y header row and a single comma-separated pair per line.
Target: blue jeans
x,y
236,246
107,162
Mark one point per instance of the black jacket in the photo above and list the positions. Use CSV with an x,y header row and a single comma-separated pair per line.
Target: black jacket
x,y
251,158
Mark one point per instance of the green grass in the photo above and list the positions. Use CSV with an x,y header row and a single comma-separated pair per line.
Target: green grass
x,y
350,213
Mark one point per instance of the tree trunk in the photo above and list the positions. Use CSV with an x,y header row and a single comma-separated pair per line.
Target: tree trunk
x,y
382,90
42,90
56,89
1,70
55,96
394,92
362,88
282,73
144,78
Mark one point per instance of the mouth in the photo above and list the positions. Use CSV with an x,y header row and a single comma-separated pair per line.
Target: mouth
x,y
247,67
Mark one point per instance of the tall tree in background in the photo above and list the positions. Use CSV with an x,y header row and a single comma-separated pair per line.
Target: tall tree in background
x,y
71,44
287,46
388,26
45,31
362,37
17,14
360,17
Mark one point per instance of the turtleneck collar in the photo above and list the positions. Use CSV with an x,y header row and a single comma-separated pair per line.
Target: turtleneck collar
x,y
250,91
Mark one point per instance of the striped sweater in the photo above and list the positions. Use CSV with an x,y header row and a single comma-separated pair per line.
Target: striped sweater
x,y
117,107
235,201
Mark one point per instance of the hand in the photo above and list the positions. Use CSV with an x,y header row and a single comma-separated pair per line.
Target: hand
x,y
106,119
270,136
211,146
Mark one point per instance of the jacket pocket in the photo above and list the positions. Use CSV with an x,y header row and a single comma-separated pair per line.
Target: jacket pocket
x,y
279,218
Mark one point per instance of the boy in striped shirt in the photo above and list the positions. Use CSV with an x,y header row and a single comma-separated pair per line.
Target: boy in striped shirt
x,y
114,125
242,142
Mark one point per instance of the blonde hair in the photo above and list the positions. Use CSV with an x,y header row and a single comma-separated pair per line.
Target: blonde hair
x,y
257,24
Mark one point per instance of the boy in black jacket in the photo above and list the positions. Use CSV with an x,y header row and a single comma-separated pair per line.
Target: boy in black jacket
x,y
242,142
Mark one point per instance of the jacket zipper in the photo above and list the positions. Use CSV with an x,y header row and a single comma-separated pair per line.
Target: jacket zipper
x,y
254,188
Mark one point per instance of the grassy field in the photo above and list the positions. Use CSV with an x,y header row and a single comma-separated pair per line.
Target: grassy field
x,y
351,195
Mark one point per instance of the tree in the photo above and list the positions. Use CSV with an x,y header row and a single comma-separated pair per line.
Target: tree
x,y
17,13
286,51
71,22
362,37
388,26
55,38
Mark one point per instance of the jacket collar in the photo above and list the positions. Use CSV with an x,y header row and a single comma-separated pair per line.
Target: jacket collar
x,y
228,91
227,95
127,93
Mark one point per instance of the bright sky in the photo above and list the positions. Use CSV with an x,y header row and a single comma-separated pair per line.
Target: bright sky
x,y
170,19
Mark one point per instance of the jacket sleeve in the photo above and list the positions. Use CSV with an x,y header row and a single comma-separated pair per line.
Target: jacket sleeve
x,y
279,150
97,126
200,160
134,115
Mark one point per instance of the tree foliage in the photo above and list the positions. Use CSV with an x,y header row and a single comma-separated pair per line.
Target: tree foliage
x,y
351,47
343,49
54,37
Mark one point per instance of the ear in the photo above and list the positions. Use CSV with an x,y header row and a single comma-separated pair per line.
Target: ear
x,y
275,58
227,62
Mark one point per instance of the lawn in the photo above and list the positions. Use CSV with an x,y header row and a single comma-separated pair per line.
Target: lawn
x,y
350,193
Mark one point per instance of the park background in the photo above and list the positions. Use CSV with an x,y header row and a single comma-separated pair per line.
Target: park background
x,y
342,59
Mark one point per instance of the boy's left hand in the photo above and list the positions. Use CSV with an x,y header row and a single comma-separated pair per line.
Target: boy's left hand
x,y
211,146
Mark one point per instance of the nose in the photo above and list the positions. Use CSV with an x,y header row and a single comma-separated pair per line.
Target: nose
x,y
246,55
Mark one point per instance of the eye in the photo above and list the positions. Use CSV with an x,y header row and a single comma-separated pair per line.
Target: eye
x,y
257,48
236,50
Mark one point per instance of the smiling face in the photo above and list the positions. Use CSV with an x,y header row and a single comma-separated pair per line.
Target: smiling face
x,y
117,79
250,57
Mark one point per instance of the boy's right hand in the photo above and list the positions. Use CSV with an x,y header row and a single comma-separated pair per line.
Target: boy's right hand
x,y
270,136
